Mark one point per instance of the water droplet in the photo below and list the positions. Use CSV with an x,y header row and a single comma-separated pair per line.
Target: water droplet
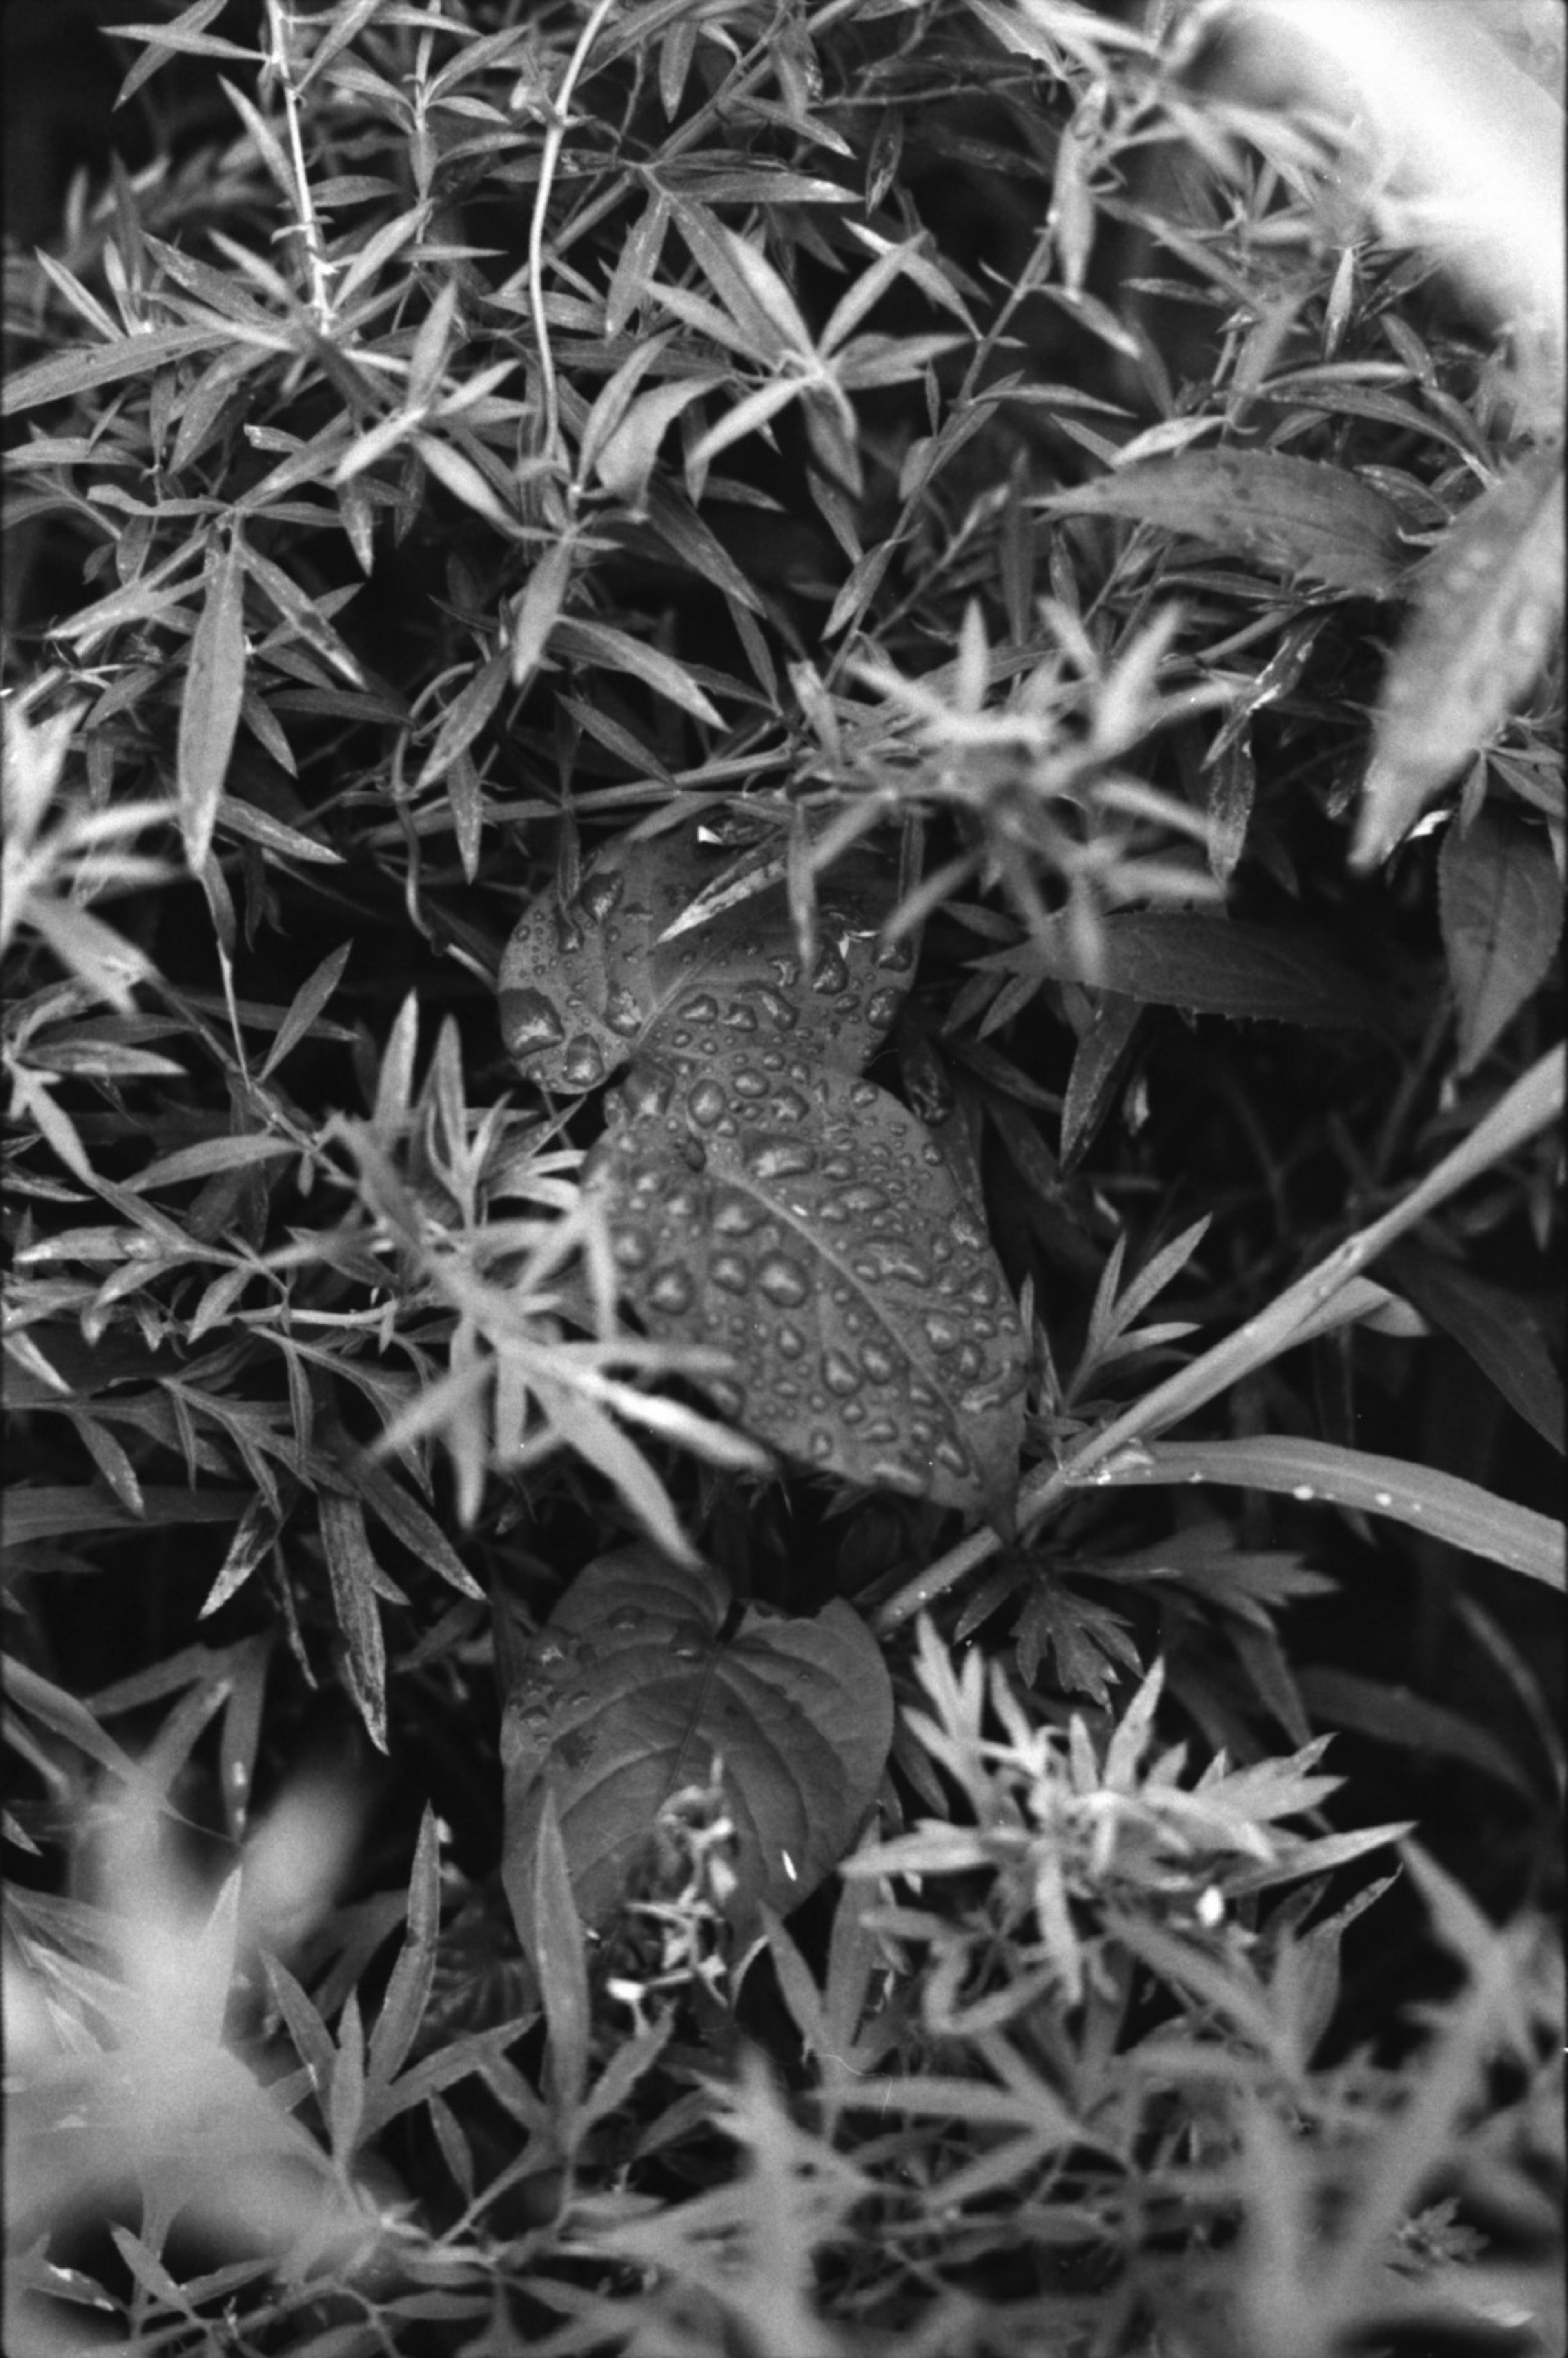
x,y
583,1061
864,1093
748,1082
627,1617
1303,1490
838,1373
787,1105
885,1256
623,1012
968,1361
549,1651
863,1198
688,1650
728,1270
701,1007
529,1022
839,1166
818,1445
953,1456
881,1429
646,1091
880,1008
670,1289
727,1398
735,1215
780,1158
601,893
783,1281
1383,1498
706,1103
579,1697
832,974
632,1248
739,1017
791,1342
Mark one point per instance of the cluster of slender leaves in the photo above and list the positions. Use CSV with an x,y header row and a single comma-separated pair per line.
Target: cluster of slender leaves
x,y
944,603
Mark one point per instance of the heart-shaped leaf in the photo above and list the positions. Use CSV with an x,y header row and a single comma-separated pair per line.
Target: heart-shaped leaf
x,y
807,1223
627,1695
582,987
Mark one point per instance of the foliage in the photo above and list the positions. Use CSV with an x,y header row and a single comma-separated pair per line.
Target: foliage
x,y
946,595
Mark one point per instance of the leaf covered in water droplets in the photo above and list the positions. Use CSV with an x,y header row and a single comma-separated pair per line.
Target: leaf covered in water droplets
x,y
581,988
626,1696
807,1224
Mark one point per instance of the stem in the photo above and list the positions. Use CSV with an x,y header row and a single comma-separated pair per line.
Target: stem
x,y
280,25
1534,1100
550,156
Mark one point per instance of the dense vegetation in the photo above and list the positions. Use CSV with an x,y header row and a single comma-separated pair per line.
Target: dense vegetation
x,y
784,813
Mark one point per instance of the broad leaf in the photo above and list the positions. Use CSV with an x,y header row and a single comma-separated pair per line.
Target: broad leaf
x,y
808,1224
1494,1325
582,987
1289,514
1487,608
627,1695
1501,904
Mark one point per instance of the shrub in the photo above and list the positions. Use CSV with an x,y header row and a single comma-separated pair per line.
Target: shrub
x,y
727,730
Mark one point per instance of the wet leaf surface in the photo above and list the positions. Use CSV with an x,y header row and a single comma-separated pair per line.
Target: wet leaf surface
x,y
627,1695
807,1223
582,987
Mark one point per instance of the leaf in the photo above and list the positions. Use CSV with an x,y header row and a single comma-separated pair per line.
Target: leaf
x,y
600,643
1394,1715
1438,1504
408,1989
808,1224
307,1004
626,1696
1496,1326
1209,966
1489,603
581,989
84,367
208,1156
209,712
356,1579
1501,904
1292,514
47,1511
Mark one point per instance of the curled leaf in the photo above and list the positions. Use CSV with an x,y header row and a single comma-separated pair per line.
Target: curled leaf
x,y
807,1223
583,985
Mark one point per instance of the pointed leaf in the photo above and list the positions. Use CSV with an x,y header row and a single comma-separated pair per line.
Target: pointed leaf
x,y
626,1696
210,713
1209,966
808,1224
1496,1326
1489,605
353,1574
307,1004
1292,514
1501,904
1439,1504
582,989
608,649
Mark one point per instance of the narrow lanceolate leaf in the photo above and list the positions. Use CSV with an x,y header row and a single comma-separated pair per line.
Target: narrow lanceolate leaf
x,y
209,712
1488,606
1206,965
1501,905
627,1695
582,987
1439,1504
807,1223
1290,516
308,1002
356,1577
